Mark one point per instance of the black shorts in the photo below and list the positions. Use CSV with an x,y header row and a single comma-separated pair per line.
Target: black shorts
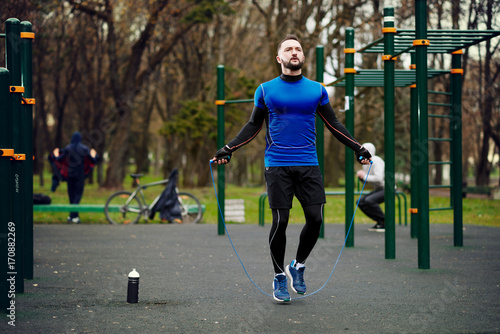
x,y
305,182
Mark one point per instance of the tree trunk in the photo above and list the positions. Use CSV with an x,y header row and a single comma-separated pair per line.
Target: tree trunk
x,y
119,148
484,166
41,137
142,156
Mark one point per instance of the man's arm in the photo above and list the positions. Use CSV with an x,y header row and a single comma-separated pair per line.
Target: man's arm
x,y
249,130
340,132
61,154
336,128
246,134
93,156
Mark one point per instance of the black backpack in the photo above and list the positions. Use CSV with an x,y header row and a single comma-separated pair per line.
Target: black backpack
x,y
41,199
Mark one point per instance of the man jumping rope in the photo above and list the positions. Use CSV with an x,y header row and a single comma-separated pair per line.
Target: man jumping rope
x,y
288,104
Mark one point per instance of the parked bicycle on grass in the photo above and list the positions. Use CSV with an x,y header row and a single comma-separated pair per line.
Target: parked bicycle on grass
x,y
125,207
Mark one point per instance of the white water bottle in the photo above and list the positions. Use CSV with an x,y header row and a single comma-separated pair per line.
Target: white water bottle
x,y
133,287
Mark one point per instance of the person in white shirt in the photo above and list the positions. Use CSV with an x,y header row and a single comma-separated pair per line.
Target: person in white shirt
x,y
370,203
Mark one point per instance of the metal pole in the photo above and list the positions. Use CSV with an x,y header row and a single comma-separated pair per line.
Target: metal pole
x,y
5,197
27,37
320,127
389,129
456,146
221,180
423,133
349,72
413,148
13,51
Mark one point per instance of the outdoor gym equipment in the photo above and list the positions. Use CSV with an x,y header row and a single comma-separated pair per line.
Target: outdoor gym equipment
x,y
418,43
16,161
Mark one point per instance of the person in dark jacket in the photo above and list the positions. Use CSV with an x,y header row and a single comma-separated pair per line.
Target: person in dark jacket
x,y
60,170
73,157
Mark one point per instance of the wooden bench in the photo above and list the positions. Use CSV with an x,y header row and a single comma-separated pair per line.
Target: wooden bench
x,y
235,210
481,190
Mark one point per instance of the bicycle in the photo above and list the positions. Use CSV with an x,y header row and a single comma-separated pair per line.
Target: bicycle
x,y
126,208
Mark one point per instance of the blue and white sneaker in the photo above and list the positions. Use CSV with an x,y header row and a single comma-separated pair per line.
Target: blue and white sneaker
x,y
280,292
296,278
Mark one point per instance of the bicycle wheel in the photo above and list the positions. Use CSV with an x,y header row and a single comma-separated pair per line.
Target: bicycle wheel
x,y
118,212
192,211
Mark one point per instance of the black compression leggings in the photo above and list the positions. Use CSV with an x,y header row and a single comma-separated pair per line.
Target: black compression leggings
x,y
307,240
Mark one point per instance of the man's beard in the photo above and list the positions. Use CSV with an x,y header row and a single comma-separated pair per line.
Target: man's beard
x,y
293,67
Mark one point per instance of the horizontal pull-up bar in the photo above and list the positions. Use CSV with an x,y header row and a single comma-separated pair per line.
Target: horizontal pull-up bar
x,y
223,102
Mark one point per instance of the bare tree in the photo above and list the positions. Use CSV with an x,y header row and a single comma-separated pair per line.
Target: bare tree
x,y
121,71
128,70
484,14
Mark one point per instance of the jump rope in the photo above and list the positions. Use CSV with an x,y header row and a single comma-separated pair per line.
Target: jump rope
x,y
241,262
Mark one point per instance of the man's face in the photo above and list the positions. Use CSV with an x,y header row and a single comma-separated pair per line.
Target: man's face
x,y
291,55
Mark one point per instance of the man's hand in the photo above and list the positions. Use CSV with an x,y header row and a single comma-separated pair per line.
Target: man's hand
x,y
363,156
222,156
93,153
361,175
56,152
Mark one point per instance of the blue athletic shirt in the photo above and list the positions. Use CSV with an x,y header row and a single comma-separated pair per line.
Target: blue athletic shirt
x,y
291,128
289,105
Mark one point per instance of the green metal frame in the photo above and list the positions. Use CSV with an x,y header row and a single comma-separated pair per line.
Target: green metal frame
x,y
456,150
221,141
441,40
5,198
349,124
375,77
413,148
27,147
16,190
13,56
422,159
392,44
320,128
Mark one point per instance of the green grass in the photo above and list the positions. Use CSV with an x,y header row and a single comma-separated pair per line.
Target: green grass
x,y
475,211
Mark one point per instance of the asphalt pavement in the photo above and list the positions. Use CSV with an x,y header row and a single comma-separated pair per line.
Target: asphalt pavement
x,y
192,282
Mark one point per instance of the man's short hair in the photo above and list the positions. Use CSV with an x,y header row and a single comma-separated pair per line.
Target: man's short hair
x,y
288,37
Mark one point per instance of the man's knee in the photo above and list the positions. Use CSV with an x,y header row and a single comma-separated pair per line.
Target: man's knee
x,y
314,214
280,216
364,202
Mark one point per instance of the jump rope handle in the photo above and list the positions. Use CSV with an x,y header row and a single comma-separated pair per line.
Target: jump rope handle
x,y
361,158
227,158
